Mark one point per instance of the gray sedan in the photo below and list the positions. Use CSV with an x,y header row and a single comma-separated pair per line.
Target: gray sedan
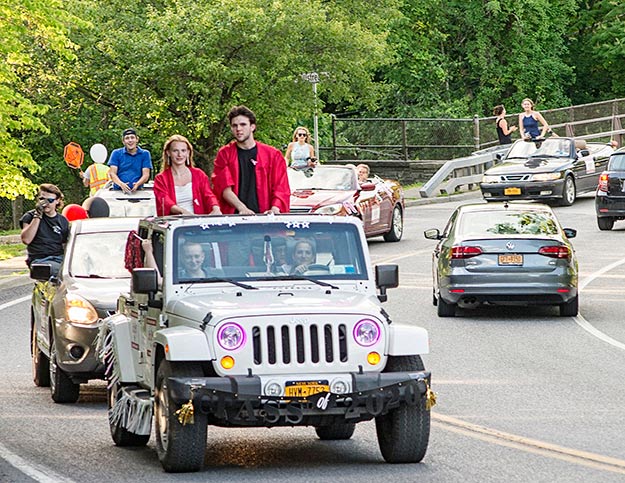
x,y
504,254
66,311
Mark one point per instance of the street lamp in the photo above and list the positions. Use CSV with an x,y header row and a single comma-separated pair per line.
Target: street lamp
x,y
313,78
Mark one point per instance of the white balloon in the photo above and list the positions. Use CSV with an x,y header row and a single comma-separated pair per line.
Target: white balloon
x,y
98,153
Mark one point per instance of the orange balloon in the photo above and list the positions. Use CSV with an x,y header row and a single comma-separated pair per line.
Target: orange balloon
x,y
74,212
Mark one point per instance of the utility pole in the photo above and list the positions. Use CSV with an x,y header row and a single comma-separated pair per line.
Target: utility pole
x,y
313,78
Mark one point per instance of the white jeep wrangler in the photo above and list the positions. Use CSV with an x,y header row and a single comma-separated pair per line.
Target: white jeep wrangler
x,y
262,321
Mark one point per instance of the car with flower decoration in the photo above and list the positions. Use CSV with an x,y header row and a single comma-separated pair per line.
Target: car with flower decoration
x,y
335,190
66,309
228,324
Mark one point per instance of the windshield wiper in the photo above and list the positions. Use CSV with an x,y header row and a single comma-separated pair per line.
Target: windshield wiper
x,y
217,279
309,279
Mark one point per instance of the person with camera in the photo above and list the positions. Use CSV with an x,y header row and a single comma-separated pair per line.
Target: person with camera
x,y
44,230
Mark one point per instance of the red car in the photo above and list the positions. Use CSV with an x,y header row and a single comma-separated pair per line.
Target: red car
x,y
334,190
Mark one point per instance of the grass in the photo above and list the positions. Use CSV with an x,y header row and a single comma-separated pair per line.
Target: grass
x,y
12,250
9,232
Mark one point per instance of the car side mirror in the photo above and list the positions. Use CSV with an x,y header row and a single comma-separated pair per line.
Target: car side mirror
x,y
367,187
145,280
570,232
498,156
386,276
40,271
583,152
432,234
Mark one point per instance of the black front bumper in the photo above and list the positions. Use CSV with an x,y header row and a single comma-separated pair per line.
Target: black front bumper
x,y
530,190
238,401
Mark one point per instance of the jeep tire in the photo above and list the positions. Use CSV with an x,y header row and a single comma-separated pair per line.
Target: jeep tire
x,y
404,432
121,436
180,448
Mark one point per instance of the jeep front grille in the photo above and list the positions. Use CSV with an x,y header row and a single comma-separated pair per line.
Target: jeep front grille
x,y
287,345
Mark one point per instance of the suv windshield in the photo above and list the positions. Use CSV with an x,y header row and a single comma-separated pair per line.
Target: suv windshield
x,y
99,255
267,250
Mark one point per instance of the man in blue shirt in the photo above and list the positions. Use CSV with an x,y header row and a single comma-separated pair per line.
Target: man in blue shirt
x,y
130,165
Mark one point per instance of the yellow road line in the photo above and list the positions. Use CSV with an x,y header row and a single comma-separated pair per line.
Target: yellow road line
x,y
549,450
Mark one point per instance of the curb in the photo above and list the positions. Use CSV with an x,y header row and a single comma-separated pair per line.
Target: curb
x,y
468,195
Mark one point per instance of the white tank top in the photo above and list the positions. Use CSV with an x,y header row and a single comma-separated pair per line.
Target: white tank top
x,y
184,197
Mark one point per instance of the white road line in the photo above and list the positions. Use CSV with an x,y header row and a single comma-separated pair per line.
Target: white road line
x,y
14,302
41,475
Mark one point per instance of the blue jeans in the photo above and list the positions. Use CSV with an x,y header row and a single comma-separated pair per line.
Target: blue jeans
x,y
53,260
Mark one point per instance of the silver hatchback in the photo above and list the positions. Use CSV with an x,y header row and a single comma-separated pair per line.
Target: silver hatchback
x,y
504,254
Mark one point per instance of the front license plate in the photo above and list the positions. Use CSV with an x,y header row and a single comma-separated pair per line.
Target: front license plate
x,y
305,388
512,191
513,259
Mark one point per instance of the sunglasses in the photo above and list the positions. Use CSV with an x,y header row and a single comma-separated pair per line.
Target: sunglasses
x,y
49,200
302,134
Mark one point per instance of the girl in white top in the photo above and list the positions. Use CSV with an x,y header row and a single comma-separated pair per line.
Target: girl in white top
x,y
300,153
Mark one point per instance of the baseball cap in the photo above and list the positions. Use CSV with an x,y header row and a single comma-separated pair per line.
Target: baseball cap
x,y
128,132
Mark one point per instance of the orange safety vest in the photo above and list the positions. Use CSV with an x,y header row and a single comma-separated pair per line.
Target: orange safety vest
x,y
98,176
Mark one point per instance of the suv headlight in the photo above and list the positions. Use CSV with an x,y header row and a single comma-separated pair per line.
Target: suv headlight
x,y
79,310
490,179
330,209
546,176
231,336
366,332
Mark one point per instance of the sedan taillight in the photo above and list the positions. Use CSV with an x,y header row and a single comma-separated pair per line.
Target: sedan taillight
x,y
603,182
465,252
555,251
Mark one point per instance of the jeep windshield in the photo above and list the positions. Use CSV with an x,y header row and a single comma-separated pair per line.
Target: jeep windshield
x,y
272,250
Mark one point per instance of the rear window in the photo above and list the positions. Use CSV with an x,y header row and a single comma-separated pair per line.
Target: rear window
x,y
617,162
489,223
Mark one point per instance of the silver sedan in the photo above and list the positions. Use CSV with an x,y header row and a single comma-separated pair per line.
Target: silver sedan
x,y
504,254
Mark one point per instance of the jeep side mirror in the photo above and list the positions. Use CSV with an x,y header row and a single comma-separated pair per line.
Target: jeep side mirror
x,y
144,280
40,271
386,276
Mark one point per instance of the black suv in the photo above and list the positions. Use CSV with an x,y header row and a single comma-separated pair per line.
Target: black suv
x,y
610,196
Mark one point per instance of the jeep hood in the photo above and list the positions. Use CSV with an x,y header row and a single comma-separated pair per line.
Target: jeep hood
x,y
251,303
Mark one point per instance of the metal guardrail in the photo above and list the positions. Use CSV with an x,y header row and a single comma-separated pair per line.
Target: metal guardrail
x,y
468,171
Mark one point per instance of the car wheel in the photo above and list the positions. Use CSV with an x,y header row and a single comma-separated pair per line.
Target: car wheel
x,y
434,299
62,388
445,309
336,431
397,226
121,436
568,192
180,447
40,363
605,223
570,308
403,433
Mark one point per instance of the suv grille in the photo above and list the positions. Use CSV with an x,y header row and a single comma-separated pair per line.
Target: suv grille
x,y
300,344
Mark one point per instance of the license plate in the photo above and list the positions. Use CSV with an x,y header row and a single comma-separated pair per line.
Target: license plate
x,y
513,259
512,191
305,388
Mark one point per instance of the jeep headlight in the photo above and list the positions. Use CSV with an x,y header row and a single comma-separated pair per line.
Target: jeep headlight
x,y
490,179
231,336
366,332
334,209
546,176
79,310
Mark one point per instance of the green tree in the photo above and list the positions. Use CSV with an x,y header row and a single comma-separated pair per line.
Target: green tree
x,y
25,27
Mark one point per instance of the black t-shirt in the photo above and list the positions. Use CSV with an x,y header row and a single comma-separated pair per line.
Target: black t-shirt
x,y
247,177
50,238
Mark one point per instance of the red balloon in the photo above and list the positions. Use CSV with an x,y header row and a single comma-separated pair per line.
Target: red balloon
x,y
74,212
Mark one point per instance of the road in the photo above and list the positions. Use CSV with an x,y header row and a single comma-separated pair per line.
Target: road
x,y
523,394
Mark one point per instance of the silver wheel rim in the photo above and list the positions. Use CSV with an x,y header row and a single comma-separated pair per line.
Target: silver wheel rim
x,y
397,224
162,414
53,367
570,191
35,353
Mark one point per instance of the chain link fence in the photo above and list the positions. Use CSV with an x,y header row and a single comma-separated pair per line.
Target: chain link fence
x,y
12,210
414,139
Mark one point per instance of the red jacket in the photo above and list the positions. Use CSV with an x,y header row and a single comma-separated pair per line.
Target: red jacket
x,y
272,184
165,192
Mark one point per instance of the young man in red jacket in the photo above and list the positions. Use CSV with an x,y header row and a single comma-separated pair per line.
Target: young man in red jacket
x,y
248,176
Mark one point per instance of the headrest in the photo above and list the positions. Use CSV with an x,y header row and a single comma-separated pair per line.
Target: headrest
x,y
580,144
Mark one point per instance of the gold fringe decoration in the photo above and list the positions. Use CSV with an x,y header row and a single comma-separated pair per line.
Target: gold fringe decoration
x,y
186,411
430,397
